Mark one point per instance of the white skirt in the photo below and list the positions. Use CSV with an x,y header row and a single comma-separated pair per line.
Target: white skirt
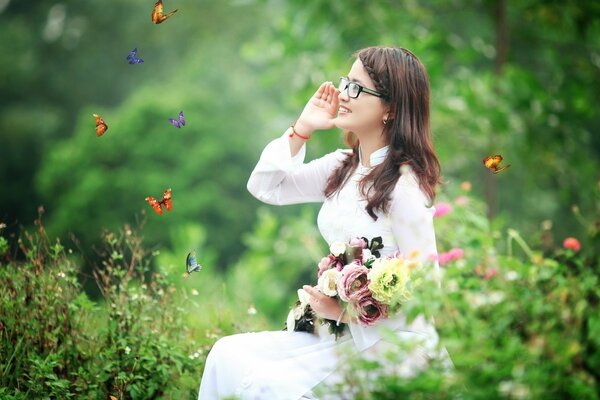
x,y
285,365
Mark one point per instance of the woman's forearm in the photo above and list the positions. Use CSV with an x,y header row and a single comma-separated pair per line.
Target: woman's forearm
x,y
298,135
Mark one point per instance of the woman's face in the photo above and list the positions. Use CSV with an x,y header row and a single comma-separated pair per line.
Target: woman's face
x,y
364,114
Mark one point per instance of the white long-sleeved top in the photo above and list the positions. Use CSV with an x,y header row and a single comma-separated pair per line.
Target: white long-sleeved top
x,y
281,179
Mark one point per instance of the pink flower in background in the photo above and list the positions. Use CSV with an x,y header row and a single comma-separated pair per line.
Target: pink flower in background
x,y
571,243
461,201
442,209
354,283
454,254
370,310
490,273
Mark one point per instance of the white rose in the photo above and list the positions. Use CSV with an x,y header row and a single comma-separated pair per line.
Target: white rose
x,y
304,298
291,320
366,255
337,248
328,282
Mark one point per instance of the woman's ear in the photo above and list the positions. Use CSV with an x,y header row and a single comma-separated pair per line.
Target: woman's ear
x,y
386,117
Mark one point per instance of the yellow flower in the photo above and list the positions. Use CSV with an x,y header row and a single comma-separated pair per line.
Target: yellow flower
x,y
389,279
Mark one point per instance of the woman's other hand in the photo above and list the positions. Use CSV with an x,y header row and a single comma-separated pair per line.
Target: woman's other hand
x,y
320,111
325,306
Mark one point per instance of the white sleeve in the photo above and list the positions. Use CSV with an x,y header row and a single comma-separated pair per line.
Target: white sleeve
x,y
412,220
281,179
412,226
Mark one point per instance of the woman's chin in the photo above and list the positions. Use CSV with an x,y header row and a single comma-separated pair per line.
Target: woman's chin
x,y
341,122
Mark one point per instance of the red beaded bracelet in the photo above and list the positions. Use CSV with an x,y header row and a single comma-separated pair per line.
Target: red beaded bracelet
x,y
296,133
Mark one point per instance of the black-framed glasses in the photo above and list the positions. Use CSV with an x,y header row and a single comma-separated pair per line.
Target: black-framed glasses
x,y
354,89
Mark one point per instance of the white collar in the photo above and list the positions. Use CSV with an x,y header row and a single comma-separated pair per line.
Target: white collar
x,y
376,157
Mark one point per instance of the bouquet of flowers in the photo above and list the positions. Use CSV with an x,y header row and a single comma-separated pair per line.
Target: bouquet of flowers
x,y
368,286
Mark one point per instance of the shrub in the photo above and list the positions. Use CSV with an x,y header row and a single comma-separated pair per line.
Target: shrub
x,y
56,343
516,326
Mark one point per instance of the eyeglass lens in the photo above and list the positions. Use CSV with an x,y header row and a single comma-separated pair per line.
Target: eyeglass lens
x,y
353,88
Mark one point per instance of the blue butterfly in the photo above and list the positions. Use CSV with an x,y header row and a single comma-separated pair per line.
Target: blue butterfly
x,y
191,265
176,123
132,57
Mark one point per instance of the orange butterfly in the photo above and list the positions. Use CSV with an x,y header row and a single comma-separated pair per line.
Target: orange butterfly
x,y
157,205
492,163
157,13
101,126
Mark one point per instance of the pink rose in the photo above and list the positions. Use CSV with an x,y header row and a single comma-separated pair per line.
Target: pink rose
x,y
358,242
353,283
325,264
571,243
442,209
370,310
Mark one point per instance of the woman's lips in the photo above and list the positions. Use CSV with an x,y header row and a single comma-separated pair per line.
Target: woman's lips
x,y
344,110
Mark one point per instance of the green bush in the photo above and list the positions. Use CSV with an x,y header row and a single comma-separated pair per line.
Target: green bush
x,y
516,326
56,343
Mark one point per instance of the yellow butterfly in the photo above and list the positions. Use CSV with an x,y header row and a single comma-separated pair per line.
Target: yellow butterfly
x,y
157,13
492,163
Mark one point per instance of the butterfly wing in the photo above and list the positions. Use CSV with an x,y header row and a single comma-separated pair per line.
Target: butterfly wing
x,y
101,126
492,161
181,119
167,15
166,200
497,160
174,122
157,15
155,204
132,57
191,265
157,12
501,169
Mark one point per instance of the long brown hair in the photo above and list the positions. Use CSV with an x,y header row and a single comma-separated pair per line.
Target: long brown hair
x,y
401,78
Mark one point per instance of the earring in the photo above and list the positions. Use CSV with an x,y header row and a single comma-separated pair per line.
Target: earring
x,y
385,121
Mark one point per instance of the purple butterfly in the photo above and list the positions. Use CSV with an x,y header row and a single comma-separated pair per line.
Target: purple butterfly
x,y
132,57
180,123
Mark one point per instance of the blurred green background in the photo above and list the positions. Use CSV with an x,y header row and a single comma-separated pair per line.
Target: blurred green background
x,y
520,79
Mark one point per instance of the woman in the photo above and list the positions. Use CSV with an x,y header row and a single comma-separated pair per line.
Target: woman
x,y
384,186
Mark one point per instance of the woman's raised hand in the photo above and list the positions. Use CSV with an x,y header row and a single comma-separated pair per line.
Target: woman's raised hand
x,y
320,111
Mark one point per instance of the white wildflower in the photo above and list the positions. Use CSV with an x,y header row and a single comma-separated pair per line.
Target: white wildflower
x,y
512,275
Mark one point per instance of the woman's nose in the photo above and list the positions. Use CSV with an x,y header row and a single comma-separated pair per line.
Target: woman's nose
x,y
343,95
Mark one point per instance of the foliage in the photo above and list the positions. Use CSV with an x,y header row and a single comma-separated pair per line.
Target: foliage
x,y
282,255
55,342
142,155
515,326
40,321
